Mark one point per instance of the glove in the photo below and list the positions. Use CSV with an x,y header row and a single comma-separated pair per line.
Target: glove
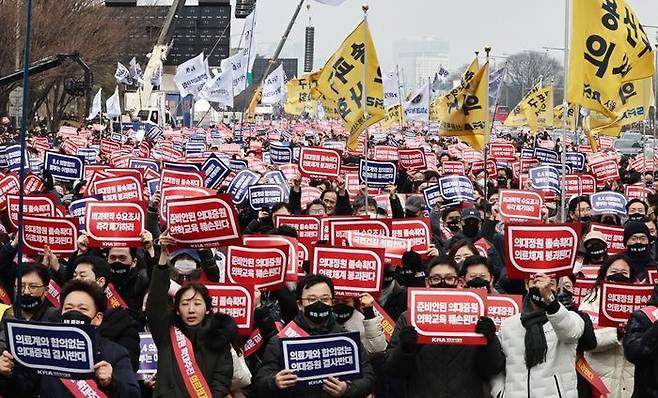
x,y
408,338
487,327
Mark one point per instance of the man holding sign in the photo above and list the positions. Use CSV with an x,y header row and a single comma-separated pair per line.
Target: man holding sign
x,y
640,345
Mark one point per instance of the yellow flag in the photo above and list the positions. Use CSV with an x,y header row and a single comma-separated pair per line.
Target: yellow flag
x,y
299,94
434,109
463,111
635,98
251,110
394,117
558,114
534,110
350,73
608,48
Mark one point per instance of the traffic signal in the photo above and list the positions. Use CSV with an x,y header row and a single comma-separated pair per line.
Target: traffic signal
x,y
244,7
308,49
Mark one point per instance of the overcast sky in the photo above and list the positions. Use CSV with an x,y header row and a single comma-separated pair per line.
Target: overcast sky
x,y
508,26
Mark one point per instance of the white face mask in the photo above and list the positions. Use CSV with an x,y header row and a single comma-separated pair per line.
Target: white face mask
x,y
185,266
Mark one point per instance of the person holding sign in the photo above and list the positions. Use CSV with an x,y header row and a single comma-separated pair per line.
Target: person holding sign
x,y
540,345
315,296
82,303
427,371
636,239
194,356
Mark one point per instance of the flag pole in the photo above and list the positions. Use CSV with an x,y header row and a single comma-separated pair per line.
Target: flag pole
x,y
487,129
397,72
565,113
364,99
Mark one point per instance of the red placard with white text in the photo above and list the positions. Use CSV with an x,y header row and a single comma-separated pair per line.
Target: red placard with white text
x,y
385,153
203,222
60,234
417,230
394,248
8,184
412,159
307,227
33,183
619,300
338,229
41,205
502,151
453,167
581,289
294,262
236,301
319,162
326,220
446,316
112,224
353,270
119,188
519,206
605,171
614,237
173,193
637,191
540,248
503,306
264,267
179,178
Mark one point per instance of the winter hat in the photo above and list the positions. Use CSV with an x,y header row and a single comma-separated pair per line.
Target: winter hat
x,y
635,227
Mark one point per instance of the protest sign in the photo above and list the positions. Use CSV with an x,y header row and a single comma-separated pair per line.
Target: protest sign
x,y
456,189
41,205
307,227
179,178
503,306
388,324
478,166
353,270
264,196
239,186
319,162
203,222
8,185
608,203
453,167
112,224
236,301
576,160
581,289
173,193
545,178
180,166
237,165
614,237
31,184
122,188
385,153
216,171
280,154
416,230
377,174
315,358
637,191
52,349
446,316
412,159
294,262
502,151
58,233
148,355
540,248
78,208
144,164
338,229
88,154
64,167
264,267
619,300
519,206
605,171
546,155
393,247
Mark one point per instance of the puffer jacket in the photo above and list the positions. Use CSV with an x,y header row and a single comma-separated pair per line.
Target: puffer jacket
x,y
556,376
641,349
370,330
607,359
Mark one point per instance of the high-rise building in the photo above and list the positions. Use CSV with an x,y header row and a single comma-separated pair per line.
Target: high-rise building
x,y
419,58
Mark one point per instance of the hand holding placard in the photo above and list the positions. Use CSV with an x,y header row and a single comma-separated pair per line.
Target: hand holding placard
x,y
286,378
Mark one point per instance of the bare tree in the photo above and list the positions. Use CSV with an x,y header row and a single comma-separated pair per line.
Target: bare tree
x,y
524,70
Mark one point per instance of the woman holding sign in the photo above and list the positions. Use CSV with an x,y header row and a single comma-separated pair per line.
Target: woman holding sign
x,y
193,344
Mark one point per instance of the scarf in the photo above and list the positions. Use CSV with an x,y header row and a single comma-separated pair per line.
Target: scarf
x,y
535,339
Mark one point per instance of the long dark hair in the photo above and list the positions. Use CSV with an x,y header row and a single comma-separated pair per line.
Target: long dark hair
x,y
198,288
600,277
461,243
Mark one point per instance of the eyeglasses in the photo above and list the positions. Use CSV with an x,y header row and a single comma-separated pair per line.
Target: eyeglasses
x,y
437,279
313,299
31,287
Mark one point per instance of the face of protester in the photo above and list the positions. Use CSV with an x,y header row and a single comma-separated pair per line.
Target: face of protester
x,y
85,272
637,238
316,302
361,211
330,199
462,254
619,267
478,273
82,302
316,210
192,308
583,210
442,276
636,208
32,285
652,228
121,255
283,211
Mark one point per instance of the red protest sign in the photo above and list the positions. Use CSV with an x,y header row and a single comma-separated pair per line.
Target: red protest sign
x,y
275,241
412,159
619,300
121,172
503,306
394,248
108,147
32,183
502,151
236,301
540,248
478,166
307,227
385,153
614,237
417,230
581,289
42,206
353,271
338,229
112,224
652,275
605,171
203,222
519,206
168,194
60,234
319,162
324,223
8,185
119,188
179,178
388,324
265,267
446,316
637,191
453,167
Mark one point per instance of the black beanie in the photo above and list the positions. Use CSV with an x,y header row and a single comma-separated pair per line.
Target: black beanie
x,y
412,260
635,227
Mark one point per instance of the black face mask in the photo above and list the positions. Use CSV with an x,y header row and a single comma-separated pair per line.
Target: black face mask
x,y
597,250
119,272
343,312
471,230
453,226
585,218
636,217
317,312
443,285
637,249
478,283
535,297
502,181
618,277
75,318
388,278
30,303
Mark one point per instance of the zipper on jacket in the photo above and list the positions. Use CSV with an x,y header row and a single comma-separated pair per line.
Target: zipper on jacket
x,y
528,380
557,385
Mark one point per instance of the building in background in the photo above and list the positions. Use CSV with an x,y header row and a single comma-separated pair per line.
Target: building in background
x,y
419,58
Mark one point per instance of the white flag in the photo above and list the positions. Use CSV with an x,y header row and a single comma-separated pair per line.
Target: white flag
x,y
135,71
331,2
219,89
122,74
95,106
156,79
191,75
391,90
418,107
248,39
273,92
112,105
238,63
